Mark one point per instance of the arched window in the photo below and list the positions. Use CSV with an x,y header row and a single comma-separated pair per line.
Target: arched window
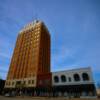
x,y
63,78
56,79
85,76
76,77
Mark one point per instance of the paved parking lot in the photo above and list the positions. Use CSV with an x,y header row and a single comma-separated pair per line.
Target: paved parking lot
x,y
31,98
41,98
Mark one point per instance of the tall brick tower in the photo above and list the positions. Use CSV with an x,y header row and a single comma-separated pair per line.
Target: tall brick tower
x,y
31,57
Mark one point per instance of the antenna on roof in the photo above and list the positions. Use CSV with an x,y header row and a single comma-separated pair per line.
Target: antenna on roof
x,y
35,17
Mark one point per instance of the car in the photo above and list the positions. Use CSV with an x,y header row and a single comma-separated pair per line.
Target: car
x,y
9,95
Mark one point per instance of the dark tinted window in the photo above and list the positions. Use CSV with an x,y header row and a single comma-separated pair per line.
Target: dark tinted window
x,y
69,79
85,76
56,79
76,77
63,78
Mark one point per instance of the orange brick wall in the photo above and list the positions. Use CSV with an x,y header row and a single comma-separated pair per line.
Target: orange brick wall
x,y
31,54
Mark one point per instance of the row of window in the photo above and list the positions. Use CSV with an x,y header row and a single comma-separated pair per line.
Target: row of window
x,y
28,39
76,77
32,33
27,48
28,44
24,82
63,79
26,52
31,38
30,29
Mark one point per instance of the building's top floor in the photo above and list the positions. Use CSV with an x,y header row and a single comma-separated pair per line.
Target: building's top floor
x,y
74,76
74,70
32,25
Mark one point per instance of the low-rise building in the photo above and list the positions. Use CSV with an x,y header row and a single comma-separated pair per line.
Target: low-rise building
x,y
76,82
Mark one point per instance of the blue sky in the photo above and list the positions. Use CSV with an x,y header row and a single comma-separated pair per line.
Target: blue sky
x,y
74,26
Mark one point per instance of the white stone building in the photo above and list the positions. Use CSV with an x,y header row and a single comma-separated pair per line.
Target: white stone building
x,y
76,82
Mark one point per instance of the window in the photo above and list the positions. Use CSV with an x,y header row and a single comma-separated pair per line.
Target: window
x,y
29,82
12,83
31,42
6,83
76,77
24,82
56,79
38,36
32,81
69,79
18,82
63,78
37,39
85,76
9,83
35,33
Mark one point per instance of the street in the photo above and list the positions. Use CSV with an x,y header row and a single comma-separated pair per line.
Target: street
x,y
42,98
